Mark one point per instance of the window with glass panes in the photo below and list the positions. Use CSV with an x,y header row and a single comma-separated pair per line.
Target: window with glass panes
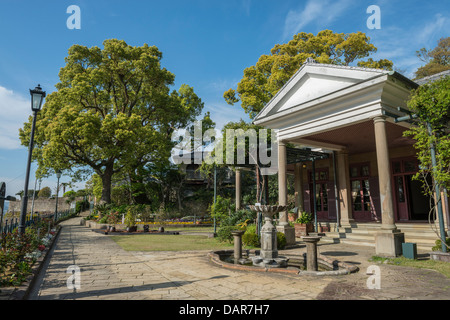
x,y
359,179
321,197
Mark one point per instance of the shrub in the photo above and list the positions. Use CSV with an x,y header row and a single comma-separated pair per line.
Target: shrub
x,y
224,233
281,240
81,205
238,217
221,209
113,217
304,218
131,216
250,238
438,245
69,193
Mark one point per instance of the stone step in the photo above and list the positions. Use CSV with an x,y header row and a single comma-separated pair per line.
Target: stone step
x,y
364,234
421,245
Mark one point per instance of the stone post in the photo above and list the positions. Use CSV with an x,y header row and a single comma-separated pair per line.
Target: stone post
x,y
388,241
311,252
237,243
283,225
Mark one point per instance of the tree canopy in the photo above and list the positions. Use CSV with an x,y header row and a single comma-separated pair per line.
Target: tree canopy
x,y
113,110
431,104
437,60
263,80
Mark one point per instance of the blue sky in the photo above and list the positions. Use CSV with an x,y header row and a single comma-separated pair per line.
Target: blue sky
x,y
205,43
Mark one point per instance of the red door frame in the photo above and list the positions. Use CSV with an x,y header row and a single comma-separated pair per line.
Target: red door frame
x,y
363,215
321,215
402,209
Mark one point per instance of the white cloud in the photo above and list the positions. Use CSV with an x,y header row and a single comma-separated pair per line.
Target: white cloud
x,y
222,113
400,44
221,85
318,11
14,111
430,29
14,185
246,4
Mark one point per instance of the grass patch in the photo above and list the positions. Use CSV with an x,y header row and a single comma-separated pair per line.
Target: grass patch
x,y
440,266
155,242
189,229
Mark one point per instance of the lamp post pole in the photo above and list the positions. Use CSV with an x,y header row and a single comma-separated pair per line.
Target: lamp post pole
x,y
58,175
37,96
23,213
437,190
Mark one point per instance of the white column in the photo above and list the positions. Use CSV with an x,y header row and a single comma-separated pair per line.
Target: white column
x,y
388,241
283,225
344,189
384,175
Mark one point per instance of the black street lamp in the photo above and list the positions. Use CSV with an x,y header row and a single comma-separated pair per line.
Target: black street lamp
x,y
37,96
58,175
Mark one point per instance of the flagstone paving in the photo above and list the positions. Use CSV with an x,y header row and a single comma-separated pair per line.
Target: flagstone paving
x,y
107,272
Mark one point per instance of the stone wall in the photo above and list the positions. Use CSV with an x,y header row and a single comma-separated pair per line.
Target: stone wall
x,y
40,205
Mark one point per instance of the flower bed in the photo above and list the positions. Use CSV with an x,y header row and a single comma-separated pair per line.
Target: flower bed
x,y
19,253
175,222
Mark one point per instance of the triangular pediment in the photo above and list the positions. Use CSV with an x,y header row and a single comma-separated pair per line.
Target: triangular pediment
x,y
315,81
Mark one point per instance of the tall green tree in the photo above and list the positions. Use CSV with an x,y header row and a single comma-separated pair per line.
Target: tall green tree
x,y
431,104
437,60
113,110
263,80
240,144
45,192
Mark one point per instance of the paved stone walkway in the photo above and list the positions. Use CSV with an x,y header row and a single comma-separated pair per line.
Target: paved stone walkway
x,y
108,272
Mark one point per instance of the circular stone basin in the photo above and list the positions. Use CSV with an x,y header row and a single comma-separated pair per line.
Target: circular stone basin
x,y
295,265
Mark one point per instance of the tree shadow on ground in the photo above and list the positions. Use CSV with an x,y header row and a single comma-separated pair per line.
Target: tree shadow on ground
x,y
98,293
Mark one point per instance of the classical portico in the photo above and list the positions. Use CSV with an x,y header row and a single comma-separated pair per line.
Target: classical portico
x,y
343,110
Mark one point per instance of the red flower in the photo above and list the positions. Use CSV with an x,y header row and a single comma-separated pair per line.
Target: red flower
x,y
41,247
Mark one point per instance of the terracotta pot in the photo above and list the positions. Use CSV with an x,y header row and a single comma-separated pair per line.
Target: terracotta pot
x,y
132,229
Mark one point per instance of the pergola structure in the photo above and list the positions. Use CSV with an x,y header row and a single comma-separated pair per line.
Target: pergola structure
x,y
295,157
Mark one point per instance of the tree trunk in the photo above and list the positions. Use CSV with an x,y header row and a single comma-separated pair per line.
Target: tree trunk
x,y
138,189
107,181
180,206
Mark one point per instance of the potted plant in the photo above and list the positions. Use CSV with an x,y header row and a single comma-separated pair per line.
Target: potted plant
x,y
303,225
130,219
112,219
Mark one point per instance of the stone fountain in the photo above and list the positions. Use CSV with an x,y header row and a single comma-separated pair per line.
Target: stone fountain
x,y
268,254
